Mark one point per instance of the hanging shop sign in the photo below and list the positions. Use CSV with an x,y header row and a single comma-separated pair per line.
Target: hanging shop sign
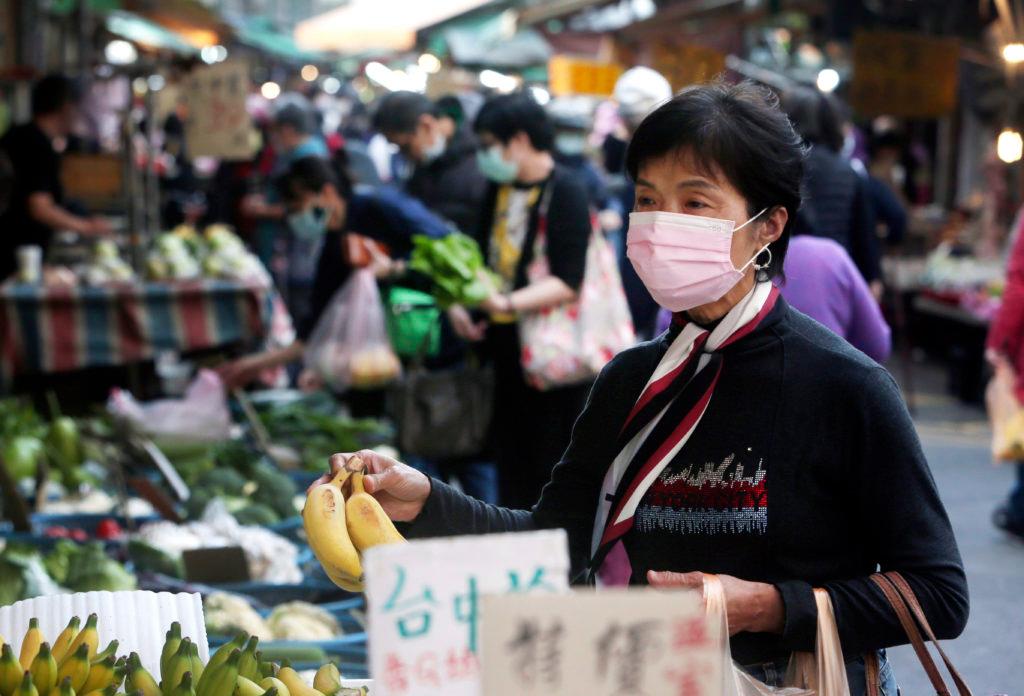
x,y
423,601
218,124
904,75
569,76
686,64
612,642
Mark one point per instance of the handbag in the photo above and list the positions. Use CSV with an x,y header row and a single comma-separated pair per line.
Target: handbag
x,y
571,343
443,414
908,610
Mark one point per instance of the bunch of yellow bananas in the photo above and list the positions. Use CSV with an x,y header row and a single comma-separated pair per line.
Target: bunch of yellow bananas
x,y
339,530
71,665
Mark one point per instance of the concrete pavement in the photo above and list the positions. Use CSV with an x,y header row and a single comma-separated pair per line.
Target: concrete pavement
x,y
990,653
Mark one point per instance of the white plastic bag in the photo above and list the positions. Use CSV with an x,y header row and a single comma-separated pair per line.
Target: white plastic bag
x,y
822,673
349,348
201,415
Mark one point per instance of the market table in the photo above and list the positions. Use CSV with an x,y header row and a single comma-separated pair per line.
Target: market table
x,y
47,330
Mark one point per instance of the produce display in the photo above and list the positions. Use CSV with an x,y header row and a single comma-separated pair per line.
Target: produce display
x,y
26,441
74,664
271,557
340,528
456,266
313,427
107,266
227,614
27,572
183,254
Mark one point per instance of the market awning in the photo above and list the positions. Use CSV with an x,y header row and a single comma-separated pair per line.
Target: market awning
x,y
377,24
146,33
192,20
259,33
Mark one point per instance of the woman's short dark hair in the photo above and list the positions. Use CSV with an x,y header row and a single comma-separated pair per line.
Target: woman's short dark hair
x,y
505,115
310,175
735,131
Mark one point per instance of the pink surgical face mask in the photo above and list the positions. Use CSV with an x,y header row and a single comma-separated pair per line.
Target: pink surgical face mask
x,y
685,261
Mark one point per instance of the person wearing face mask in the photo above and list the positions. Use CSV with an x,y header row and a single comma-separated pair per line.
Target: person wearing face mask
x,y
638,91
443,156
571,119
528,191
748,441
321,204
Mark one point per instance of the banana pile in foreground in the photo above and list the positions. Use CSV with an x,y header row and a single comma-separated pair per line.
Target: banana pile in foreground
x,y
341,521
74,666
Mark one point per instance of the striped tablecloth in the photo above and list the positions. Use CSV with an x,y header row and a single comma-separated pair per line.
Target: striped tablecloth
x,y
61,329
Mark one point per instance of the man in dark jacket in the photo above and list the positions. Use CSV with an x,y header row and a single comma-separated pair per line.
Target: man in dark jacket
x,y
445,176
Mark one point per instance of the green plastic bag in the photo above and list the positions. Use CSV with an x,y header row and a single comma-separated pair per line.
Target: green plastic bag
x,y
414,323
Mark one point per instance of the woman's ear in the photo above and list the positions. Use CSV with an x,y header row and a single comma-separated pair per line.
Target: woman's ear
x,y
775,223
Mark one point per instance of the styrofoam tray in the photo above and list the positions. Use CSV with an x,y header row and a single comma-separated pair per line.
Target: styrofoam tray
x,y
137,619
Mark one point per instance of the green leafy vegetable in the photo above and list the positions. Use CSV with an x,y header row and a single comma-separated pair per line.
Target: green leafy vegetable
x,y
456,266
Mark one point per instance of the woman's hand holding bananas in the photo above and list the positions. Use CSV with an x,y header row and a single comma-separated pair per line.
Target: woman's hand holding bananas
x,y
351,509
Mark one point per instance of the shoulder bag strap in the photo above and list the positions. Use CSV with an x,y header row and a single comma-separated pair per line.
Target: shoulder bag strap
x,y
872,677
913,634
903,587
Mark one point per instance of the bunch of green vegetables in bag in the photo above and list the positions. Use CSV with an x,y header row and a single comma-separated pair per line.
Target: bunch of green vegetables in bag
x,y
456,266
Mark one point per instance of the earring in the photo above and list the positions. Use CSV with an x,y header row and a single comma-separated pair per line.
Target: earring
x,y
766,264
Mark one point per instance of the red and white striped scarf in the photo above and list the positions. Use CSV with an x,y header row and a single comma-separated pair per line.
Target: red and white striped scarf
x,y
664,417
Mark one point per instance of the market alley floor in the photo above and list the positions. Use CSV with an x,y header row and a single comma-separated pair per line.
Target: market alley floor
x,y
990,653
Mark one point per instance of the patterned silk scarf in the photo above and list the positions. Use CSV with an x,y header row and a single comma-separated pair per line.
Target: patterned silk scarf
x,y
666,414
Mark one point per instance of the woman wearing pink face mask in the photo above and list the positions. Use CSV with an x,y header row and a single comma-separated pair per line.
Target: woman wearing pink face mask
x,y
748,441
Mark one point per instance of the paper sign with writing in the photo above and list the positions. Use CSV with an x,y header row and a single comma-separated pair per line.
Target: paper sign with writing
x,y
600,644
218,124
423,602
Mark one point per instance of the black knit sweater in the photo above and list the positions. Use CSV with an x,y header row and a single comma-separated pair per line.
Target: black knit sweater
x,y
848,489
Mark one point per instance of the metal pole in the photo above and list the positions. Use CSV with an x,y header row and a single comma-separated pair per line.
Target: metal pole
x,y
152,212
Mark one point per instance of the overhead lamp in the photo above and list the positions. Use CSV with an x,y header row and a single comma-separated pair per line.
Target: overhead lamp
x,y
156,82
270,90
540,95
309,72
331,85
430,63
493,79
120,52
828,80
1010,146
1013,52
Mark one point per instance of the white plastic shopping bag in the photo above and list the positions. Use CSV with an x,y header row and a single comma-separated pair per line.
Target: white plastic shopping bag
x,y
201,415
349,348
822,673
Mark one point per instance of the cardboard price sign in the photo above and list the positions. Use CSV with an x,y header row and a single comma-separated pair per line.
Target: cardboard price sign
x,y
614,642
218,124
423,601
567,76
905,75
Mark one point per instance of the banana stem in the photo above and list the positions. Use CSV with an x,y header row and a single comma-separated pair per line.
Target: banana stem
x,y
357,483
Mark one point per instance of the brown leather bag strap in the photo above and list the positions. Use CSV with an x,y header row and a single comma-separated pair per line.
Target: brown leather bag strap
x,y
912,632
903,587
872,680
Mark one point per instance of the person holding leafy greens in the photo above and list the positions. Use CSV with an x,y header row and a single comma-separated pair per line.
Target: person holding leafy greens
x,y
531,428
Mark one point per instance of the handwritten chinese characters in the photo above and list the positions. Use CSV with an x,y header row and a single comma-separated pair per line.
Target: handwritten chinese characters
x,y
597,644
425,602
